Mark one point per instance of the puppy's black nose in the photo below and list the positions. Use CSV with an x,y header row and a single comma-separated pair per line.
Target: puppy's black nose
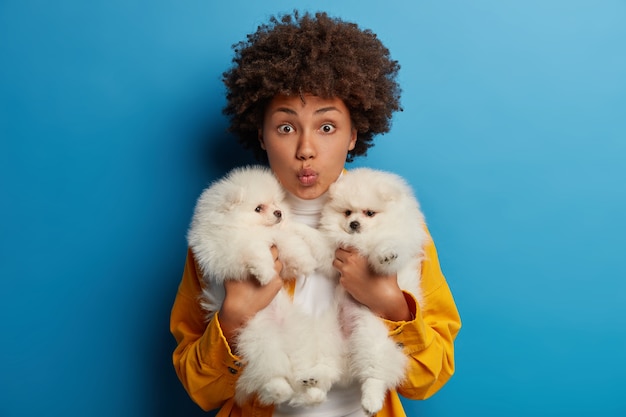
x,y
278,214
354,225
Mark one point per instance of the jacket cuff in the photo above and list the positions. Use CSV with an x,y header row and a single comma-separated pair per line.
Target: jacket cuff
x,y
409,334
216,352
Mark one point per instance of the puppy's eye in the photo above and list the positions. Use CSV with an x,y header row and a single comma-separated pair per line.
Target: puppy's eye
x,y
259,208
347,213
369,213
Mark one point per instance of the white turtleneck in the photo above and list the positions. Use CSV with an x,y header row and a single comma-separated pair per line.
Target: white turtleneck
x,y
313,293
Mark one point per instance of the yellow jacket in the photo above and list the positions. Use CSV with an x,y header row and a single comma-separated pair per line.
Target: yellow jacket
x,y
208,369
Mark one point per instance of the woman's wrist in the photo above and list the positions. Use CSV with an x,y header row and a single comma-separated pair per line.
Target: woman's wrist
x,y
392,304
230,325
397,309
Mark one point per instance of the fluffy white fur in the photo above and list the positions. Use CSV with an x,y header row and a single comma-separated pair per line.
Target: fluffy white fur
x,y
235,222
376,213
289,355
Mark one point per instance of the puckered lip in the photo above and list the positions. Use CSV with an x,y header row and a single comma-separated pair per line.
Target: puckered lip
x,y
307,176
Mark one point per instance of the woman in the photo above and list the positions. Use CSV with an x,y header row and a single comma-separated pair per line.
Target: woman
x,y
308,93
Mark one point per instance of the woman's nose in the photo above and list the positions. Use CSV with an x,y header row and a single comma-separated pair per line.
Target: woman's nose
x,y
306,148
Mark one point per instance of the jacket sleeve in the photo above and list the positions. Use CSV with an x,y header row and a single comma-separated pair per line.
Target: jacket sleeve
x,y
203,360
428,340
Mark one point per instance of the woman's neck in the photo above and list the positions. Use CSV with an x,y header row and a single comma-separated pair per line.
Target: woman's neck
x,y
306,211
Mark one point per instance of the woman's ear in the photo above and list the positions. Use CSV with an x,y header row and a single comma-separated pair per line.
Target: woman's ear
x,y
353,137
261,139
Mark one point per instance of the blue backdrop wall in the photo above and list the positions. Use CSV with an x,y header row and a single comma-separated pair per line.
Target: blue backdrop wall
x,y
513,135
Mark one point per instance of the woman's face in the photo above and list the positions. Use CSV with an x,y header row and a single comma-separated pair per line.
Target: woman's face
x,y
307,140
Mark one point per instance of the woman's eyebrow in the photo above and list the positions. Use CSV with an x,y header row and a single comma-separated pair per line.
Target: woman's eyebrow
x,y
295,113
327,109
285,110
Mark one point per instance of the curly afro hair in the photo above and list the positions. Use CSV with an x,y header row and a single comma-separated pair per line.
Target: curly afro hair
x,y
304,54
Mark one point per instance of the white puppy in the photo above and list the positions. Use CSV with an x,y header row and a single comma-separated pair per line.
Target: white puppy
x,y
376,213
236,221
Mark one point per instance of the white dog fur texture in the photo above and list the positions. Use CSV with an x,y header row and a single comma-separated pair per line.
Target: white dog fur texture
x,y
235,222
289,356
376,213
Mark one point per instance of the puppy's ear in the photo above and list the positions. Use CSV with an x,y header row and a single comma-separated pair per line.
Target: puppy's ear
x,y
389,194
233,198
392,192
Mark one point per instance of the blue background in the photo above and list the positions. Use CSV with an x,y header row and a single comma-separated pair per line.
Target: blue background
x,y
513,135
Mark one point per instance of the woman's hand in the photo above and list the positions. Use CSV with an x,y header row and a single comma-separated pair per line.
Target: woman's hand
x,y
244,298
380,293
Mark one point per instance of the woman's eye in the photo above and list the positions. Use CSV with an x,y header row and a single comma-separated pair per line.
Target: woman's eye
x,y
327,128
285,129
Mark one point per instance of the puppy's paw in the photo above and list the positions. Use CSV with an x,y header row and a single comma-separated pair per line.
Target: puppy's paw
x,y
276,391
373,395
309,397
303,266
262,273
315,396
309,382
387,258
